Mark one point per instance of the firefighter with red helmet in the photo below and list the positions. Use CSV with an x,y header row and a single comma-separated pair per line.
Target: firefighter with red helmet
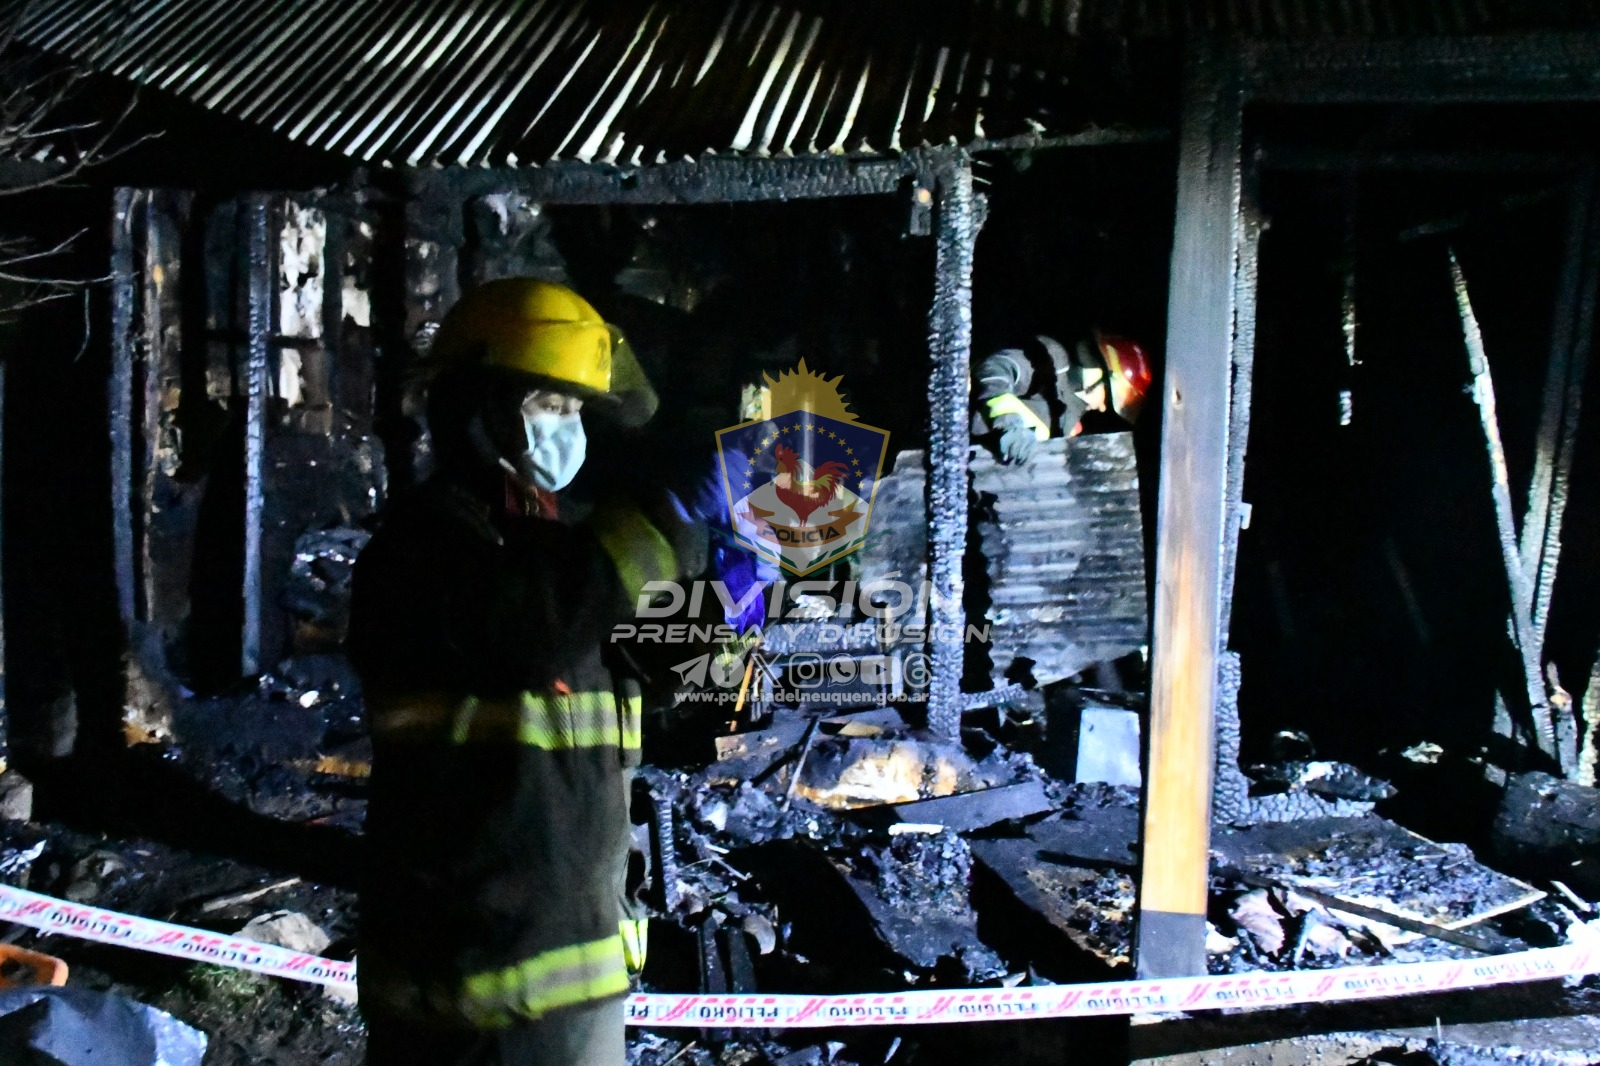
x,y
1029,394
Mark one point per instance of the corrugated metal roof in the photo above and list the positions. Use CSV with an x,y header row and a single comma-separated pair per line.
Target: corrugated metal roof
x,y
494,82
490,82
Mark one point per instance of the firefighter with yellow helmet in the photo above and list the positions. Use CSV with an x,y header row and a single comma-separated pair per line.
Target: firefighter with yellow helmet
x,y
504,730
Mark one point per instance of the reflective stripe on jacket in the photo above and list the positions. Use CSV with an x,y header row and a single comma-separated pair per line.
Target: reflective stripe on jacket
x,y
554,722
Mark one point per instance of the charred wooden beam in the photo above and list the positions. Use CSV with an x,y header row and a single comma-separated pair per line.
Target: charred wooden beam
x,y
1210,228
1590,709
697,181
1517,578
1569,379
1243,372
260,295
949,433
1563,330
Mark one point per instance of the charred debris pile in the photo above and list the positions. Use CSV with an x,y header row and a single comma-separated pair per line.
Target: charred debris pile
x,y
861,853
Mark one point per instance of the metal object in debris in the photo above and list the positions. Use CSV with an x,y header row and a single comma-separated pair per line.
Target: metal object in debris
x,y
1108,746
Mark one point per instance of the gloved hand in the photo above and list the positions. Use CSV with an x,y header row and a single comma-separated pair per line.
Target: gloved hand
x,y
689,537
1017,439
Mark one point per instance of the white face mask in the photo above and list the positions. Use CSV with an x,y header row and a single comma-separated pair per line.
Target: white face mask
x,y
556,449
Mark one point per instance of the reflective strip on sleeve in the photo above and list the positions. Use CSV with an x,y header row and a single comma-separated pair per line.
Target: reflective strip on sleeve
x,y
555,722
549,980
579,720
637,549
1008,404
635,935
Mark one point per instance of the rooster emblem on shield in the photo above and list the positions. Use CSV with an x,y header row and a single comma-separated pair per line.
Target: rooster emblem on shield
x,y
800,479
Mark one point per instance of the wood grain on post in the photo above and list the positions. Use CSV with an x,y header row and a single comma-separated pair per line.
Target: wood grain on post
x,y
1170,938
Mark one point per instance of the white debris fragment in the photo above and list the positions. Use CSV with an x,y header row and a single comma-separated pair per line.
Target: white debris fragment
x,y
355,302
1426,752
1216,943
1255,914
300,260
290,383
286,929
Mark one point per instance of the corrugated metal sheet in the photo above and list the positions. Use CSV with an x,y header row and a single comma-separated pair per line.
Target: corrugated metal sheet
x,y
492,82
1064,546
1062,541
480,82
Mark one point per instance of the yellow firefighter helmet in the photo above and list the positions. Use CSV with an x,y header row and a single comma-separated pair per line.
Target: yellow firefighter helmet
x,y
534,327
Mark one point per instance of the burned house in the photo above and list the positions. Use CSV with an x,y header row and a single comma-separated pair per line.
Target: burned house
x,y
1316,583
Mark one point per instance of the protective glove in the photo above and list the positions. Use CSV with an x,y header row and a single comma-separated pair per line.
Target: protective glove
x,y
689,537
1017,439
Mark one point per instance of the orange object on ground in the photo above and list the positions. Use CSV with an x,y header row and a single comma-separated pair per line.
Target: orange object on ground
x,y
19,967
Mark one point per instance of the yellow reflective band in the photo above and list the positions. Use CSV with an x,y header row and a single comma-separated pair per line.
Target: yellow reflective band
x,y
637,549
635,942
1008,404
534,987
579,720
557,722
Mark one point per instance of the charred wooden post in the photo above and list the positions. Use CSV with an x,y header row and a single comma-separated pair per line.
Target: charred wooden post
x,y
160,596
949,432
1564,390
261,294
1243,371
1170,939
1570,342
119,398
1590,710
1562,329
1521,587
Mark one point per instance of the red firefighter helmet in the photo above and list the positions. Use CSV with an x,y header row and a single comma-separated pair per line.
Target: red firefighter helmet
x,y
1128,371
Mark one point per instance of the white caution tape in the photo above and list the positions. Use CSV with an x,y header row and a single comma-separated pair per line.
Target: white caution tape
x,y
51,915
665,1009
1109,997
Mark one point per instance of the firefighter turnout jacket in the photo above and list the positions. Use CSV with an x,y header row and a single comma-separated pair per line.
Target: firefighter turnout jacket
x,y
503,740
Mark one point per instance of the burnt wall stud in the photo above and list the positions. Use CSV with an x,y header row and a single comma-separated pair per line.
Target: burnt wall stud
x,y
1521,587
119,399
261,295
949,430
1541,546
1171,932
1244,355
